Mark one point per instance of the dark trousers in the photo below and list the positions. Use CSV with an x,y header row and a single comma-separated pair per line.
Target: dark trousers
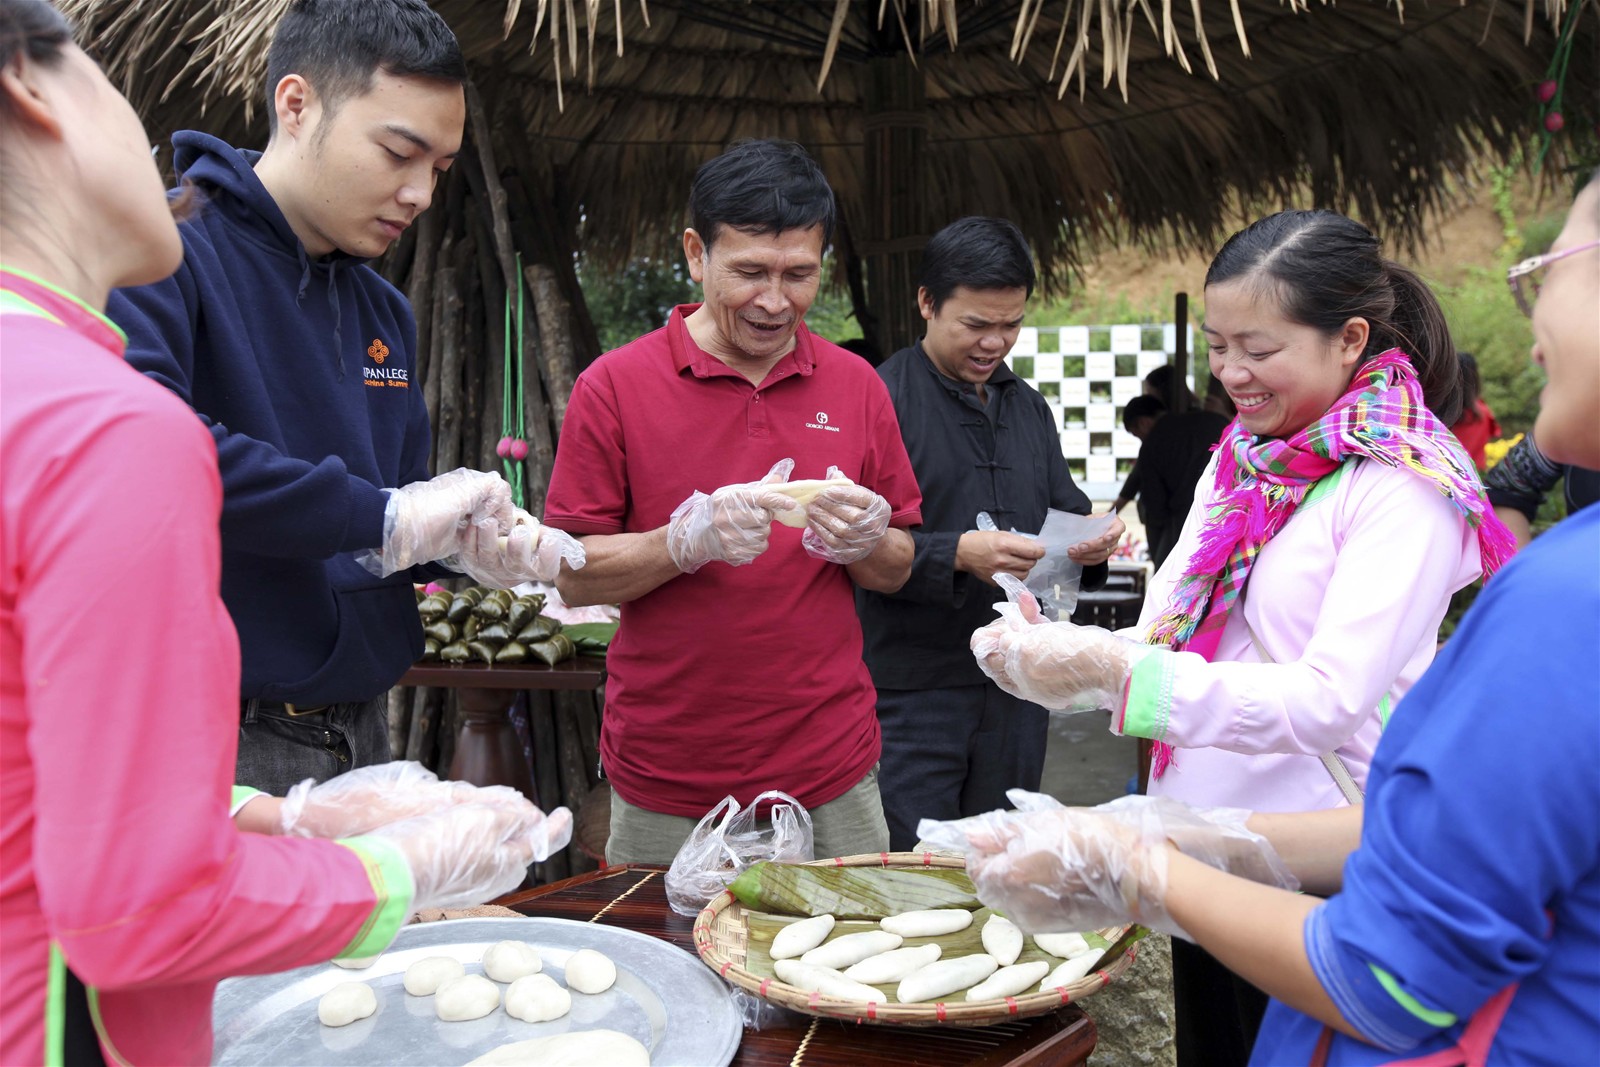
x,y
949,753
277,750
1218,1013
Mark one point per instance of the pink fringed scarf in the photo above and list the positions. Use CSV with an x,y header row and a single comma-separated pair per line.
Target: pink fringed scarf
x,y
1259,483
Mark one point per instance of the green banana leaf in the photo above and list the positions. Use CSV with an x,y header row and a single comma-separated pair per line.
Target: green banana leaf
x,y
591,638
850,892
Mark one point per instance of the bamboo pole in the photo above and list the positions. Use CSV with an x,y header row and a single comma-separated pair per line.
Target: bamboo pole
x,y
399,716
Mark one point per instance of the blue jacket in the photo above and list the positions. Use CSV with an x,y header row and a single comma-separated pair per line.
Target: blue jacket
x,y
304,372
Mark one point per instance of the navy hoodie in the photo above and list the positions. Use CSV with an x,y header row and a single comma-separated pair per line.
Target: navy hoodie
x,y
304,372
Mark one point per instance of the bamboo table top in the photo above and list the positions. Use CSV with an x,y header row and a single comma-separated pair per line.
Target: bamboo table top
x,y
634,898
583,672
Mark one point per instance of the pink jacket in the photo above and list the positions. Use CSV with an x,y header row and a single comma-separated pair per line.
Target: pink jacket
x,y
1346,603
119,682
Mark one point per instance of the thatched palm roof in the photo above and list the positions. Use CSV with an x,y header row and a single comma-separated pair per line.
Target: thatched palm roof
x,y
1164,122
1371,103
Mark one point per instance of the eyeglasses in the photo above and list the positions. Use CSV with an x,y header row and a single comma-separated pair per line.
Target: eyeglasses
x,y
1525,287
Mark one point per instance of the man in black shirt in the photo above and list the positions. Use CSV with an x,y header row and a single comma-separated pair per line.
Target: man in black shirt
x,y
980,439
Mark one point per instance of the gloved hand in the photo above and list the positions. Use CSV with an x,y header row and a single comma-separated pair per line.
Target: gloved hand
x,y
1057,868
845,523
731,525
531,552
1059,665
424,521
1217,837
471,853
366,798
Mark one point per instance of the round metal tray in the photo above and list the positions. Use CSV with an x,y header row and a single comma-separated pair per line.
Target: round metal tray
x,y
664,997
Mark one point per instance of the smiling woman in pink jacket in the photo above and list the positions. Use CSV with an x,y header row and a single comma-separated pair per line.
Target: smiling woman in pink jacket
x,y
125,890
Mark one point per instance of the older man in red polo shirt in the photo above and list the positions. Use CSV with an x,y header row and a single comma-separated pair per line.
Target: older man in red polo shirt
x,y
737,668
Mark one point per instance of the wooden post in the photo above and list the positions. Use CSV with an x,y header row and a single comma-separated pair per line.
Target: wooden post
x,y
555,336
399,720
1177,397
446,381
895,136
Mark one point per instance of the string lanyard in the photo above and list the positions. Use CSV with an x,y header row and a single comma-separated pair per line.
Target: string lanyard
x,y
513,446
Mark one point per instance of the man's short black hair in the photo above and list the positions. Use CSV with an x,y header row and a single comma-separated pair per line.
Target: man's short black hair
x,y
338,45
1141,407
761,187
979,253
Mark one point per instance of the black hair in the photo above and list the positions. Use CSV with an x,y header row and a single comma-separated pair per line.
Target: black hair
x,y
863,347
1324,270
979,253
338,45
761,187
34,29
1160,381
1141,407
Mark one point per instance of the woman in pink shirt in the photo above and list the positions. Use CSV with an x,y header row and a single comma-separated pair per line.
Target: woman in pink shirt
x,y
1304,595
126,891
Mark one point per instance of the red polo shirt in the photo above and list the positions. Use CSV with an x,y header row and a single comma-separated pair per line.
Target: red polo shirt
x,y
732,679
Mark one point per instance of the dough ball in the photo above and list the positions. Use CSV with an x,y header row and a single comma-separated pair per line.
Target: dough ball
x,y
358,963
424,977
345,1003
590,972
581,1049
536,998
506,961
471,996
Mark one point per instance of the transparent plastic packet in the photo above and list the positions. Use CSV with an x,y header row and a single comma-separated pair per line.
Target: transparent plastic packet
x,y
731,838
1055,580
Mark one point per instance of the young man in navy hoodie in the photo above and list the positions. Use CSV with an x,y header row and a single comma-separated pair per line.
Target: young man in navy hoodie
x,y
301,360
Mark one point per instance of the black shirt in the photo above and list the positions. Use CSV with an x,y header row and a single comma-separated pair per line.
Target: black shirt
x,y
1003,457
1174,455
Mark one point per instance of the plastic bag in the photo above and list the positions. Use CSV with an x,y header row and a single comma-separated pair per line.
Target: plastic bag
x,y
717,851
1055,579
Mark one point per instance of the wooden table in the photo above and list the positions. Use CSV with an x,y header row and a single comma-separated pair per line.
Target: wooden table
x,y
634,898
487,750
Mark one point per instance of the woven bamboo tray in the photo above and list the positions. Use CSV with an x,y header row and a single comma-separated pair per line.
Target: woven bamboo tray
x,y
721,936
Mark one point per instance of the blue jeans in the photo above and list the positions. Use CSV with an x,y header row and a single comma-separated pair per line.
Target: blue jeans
x,y
278,750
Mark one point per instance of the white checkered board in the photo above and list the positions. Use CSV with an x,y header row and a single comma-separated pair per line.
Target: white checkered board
x,y
1087,374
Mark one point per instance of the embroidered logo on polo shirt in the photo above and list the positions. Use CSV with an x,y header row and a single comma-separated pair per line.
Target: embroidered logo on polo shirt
x,y
822,423
380,376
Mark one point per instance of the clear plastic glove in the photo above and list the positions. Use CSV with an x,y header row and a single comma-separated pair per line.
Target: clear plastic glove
x,y
424,521
366,798
530,552
1058,665
1055,868
470,853
844,524
1217,837
731,525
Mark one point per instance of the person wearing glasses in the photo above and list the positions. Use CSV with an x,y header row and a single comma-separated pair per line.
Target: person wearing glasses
x,y
1519,483
1462,919
1303,596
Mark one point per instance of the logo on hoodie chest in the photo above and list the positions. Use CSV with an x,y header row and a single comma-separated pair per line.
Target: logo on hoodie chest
x,y
374,373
